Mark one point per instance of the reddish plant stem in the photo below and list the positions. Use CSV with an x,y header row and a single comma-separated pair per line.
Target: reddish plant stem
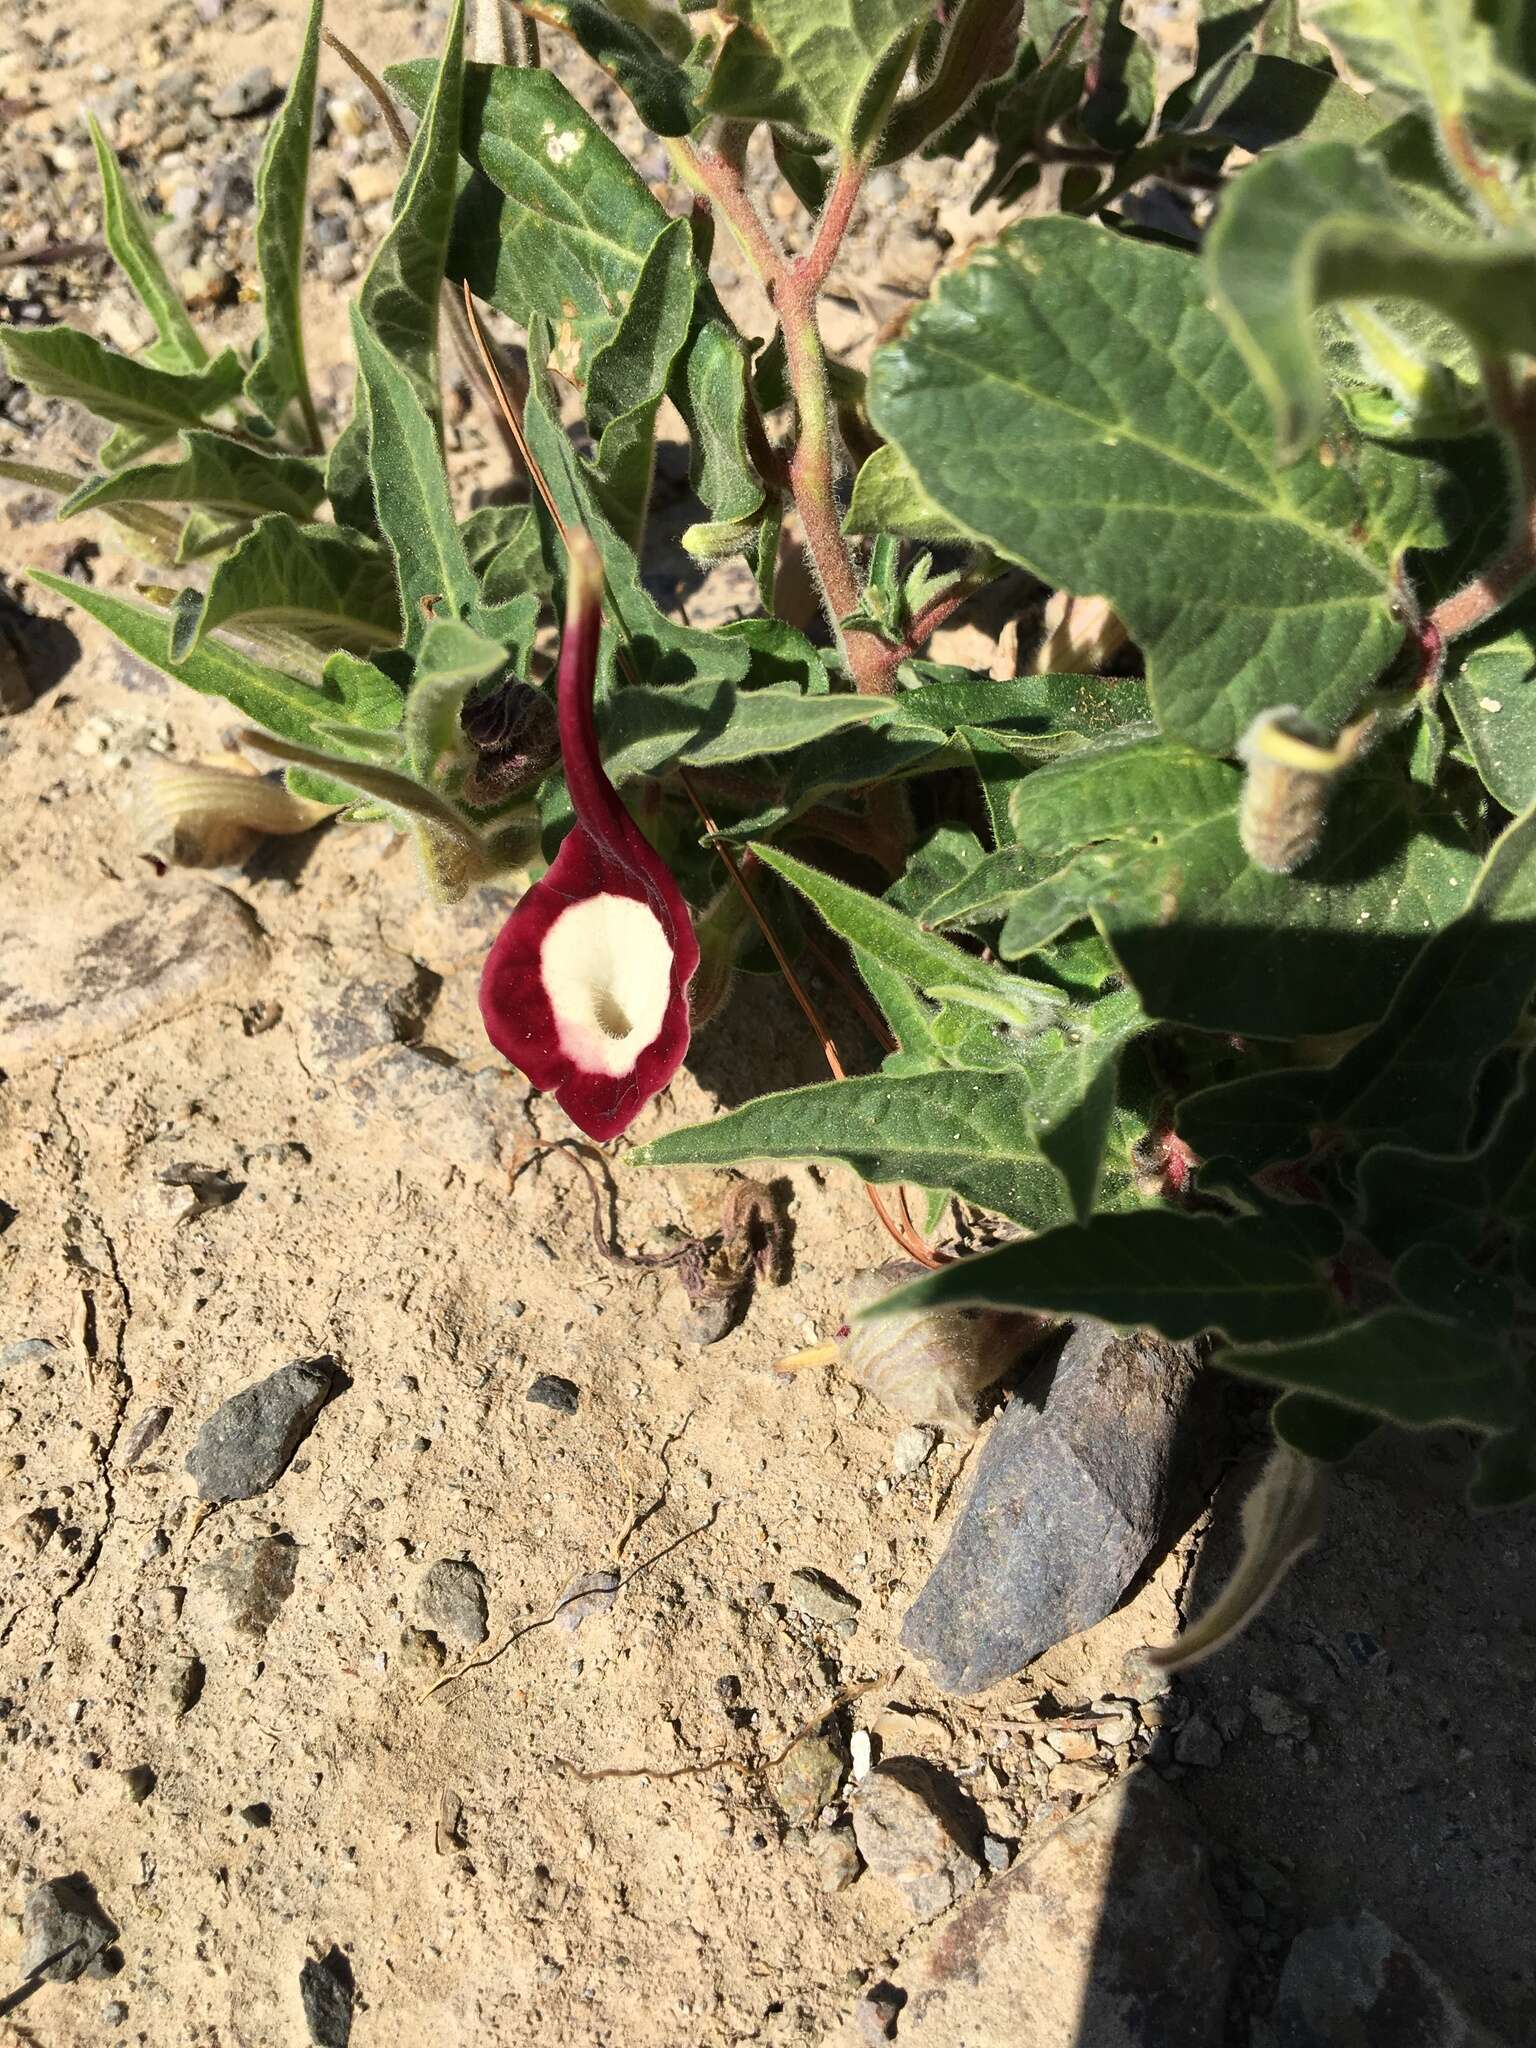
x,y
1512,402
811,270
716,174
937,612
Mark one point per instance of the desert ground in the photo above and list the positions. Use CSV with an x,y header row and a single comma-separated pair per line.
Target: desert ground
x,y
333,1758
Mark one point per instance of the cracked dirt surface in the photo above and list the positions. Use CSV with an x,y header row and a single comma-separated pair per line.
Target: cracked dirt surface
x,y
309,1789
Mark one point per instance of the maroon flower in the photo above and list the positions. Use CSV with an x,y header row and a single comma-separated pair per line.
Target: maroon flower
x,y
586,988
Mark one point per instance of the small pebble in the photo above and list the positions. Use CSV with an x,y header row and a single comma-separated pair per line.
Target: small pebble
x,y
820,1598
549,1390
450,1600
860,1752
912,1449
138,1782
1197,1743
995,1852
248,94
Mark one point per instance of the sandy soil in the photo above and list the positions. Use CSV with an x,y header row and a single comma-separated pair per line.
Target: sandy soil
x,y
482,1884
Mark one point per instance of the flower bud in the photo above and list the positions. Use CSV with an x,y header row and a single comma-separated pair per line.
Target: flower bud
x,y
515,732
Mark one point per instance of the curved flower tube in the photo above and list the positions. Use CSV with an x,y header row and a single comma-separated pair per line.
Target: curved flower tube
x,y
586,987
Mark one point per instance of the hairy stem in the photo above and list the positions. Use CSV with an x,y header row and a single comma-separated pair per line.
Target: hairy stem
x,y
715,174
1512,402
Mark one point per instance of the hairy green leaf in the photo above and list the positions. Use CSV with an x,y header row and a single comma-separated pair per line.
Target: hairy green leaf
x,y
1069,398
1159,1269
978,1133
714,725
628,379
887,498
1491,690
276,702
558,222
1321,222
1411,1079
1461,1201
656,650
882,751
635,60
400,293
898,942
830,67
411,491
1460,59
1141,835
279,375
1319,1429
1395,1363
61,362
214,473
127,235
318,581
710,389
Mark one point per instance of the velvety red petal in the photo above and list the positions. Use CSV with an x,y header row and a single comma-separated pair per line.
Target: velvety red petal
x,y
516,1004
605,854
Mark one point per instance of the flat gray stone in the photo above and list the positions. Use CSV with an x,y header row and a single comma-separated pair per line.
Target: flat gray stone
x,y
64,1932
1106,1936
913,1828
244,1447
1069,1498
113,969
345,1014
820,1598
450,1600
1357,1981
441,1111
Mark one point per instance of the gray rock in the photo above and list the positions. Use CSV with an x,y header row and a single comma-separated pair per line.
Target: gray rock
x,y
549,1390
443,1112
177,1686
325,1992
1357,1981
1068,1501
809,1777
242,1589
342,1021
122,971
820,1598
25,1351
251,93
245,1445
912,1828
64,1932
1106,1936
450,1600
1197,1743
838,1861
1277,1715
